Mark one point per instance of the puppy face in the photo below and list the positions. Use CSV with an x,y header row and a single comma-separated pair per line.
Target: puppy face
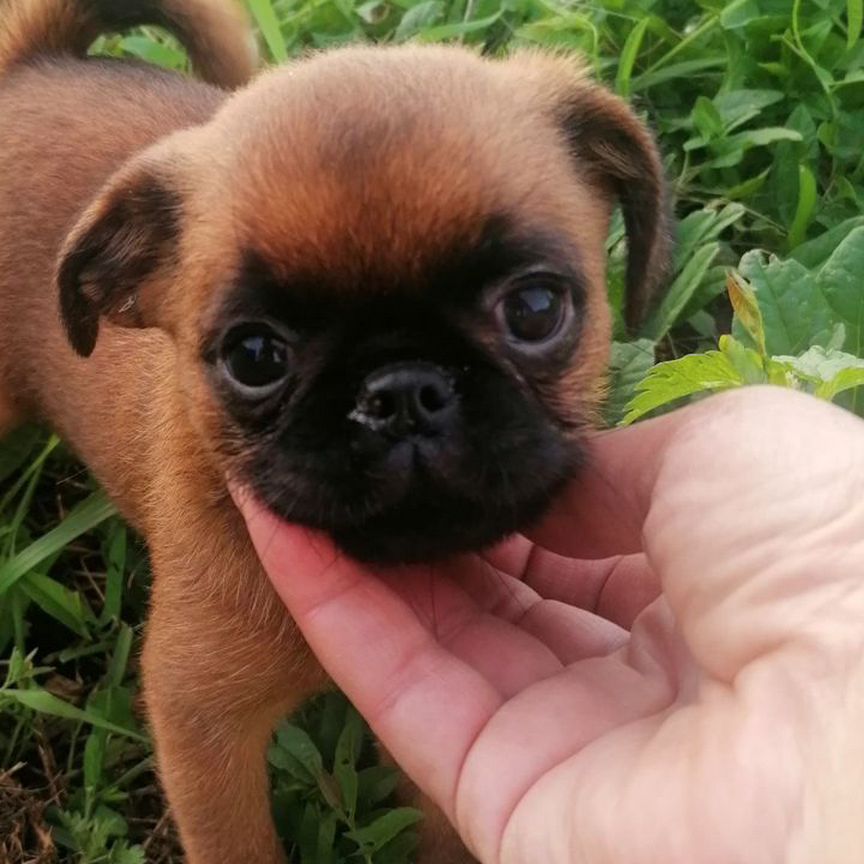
x,y
383,272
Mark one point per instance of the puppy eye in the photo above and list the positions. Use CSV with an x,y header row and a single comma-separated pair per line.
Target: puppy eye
x,y
256,358
533,312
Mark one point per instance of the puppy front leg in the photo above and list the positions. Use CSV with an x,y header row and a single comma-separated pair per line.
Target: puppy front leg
x,y
216,681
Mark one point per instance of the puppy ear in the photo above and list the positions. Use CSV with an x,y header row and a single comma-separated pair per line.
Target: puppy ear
x,y
616,148
111,261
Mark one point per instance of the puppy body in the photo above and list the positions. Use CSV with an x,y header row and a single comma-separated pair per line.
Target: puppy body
x,y
150,189
214,689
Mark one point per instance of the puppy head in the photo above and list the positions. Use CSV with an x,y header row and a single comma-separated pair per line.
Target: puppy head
x,y
384,274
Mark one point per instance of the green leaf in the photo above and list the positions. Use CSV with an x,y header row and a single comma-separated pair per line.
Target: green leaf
x,y
157,53
676,379
795,313
739,13
296,742
86,516
818,365
845,379
817,251
373,837
418,17
679,292
707,119
345,761
376,784
737,107
746,308
747,363
841,280
325,851
629,53
451,31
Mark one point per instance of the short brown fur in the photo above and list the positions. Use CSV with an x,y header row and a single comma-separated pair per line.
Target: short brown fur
x,y
222,660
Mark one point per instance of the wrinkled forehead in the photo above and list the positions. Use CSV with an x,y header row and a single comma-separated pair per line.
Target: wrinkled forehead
x,y
382,171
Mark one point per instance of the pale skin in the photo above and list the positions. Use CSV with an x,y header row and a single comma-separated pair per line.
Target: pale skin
x,y
670,670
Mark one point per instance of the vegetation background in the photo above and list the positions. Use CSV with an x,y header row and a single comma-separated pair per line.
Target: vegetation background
x,y
759,108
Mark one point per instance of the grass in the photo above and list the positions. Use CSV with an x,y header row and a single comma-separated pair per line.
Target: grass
x,y
758,107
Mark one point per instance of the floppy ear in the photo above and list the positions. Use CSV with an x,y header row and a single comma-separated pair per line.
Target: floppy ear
x,y
110,263
616,150
613,145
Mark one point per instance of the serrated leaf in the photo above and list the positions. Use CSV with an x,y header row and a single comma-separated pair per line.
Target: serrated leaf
x,y
845,379
122,853
676,379
629,364
825,373
373,837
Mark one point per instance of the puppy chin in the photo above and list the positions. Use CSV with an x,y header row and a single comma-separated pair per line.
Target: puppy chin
x,y
427,523
401,536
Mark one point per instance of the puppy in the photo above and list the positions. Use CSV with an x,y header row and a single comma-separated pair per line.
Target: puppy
x,y
369,286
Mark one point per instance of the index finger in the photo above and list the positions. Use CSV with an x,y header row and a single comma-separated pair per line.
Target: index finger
x,y
377,650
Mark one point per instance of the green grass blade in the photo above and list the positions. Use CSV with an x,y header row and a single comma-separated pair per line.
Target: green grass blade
x,y
807,197
628,57
46,703
268,23
854,21
58,601
90,513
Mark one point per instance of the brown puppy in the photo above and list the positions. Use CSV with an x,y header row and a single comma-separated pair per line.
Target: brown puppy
x,y
370,286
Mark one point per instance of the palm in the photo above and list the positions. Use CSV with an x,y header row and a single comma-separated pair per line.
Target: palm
x,y
516,692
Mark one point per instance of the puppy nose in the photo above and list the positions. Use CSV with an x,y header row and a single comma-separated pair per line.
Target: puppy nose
x,y
406,399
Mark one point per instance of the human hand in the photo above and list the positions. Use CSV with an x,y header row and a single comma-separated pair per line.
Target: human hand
x,y
726,725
